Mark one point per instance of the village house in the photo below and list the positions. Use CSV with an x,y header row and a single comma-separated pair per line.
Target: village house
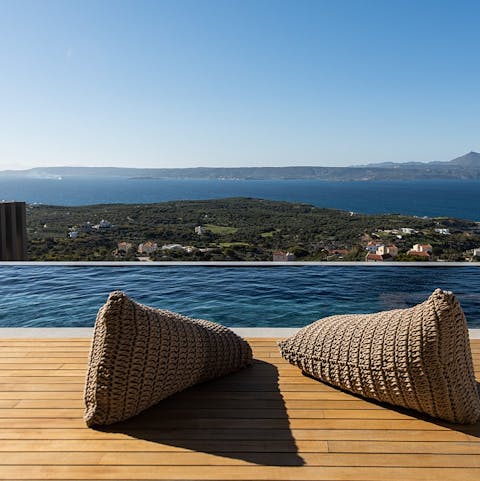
x,y
377,251
103,224
200,230
372,246
281,256
408,230
421,250
476,252
148,247
442,231
391,250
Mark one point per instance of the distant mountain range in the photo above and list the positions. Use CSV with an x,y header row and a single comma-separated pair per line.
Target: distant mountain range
x,y
465,167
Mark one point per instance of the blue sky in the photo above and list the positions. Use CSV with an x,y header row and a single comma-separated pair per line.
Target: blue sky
x,y
237,83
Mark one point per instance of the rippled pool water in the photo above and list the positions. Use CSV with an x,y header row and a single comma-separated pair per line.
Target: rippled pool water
x,y
55,296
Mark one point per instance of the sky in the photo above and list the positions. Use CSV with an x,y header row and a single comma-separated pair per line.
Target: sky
x,y
237,82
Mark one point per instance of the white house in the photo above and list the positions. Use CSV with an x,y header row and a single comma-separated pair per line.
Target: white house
x,y
422,248
171,247
443,231
200,230
390,249
73,234
408,230
104,224
476,252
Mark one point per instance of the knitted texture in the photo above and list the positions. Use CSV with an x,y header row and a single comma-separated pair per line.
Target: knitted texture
x,y
141,355
418,358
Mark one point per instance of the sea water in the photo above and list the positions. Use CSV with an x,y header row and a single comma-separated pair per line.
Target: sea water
x,y
454,198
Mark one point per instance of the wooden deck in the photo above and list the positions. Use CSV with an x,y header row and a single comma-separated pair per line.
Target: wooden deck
x,y
264,423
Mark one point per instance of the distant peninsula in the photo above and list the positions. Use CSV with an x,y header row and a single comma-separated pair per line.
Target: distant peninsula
x,y
464,167
242,229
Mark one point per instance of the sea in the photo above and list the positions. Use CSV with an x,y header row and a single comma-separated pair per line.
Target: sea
x,y
290,296
55,296
454,198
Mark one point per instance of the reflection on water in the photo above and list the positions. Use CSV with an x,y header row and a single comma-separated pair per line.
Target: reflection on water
x,y
53,296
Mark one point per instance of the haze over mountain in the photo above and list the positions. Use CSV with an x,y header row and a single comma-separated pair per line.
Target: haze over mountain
x,y
464,167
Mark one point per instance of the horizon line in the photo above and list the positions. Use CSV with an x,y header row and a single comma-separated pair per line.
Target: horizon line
x,y
363,165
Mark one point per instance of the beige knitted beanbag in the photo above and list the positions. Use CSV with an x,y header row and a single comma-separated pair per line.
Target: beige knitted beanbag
x,y
418,358
141,355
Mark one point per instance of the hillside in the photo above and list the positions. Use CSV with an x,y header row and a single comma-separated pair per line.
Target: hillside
x,y
233,229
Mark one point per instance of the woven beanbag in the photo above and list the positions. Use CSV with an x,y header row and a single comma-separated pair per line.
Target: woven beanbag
x,y
141,355
417,358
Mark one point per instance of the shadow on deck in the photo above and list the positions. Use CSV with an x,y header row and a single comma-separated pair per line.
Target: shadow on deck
x,y
240,416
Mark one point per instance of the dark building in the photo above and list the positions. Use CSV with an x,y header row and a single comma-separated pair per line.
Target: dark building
x,y
13,231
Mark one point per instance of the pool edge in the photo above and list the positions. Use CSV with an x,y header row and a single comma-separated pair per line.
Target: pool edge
x,y
86,332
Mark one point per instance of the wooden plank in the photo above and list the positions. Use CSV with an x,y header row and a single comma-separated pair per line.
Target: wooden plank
x,y
185,403
41,379
110,458
59,385
193,395
30,366
72,418
45,418
213,388
254,372
332,394
39,406
253,473
37,373
359,413
174,436
40,342
132,445
36,348
43,353
403,447
226,412
56,339
82,361
57,397
230,386
234,413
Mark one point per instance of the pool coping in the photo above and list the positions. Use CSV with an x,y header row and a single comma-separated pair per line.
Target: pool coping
x,y
238,264
86,332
